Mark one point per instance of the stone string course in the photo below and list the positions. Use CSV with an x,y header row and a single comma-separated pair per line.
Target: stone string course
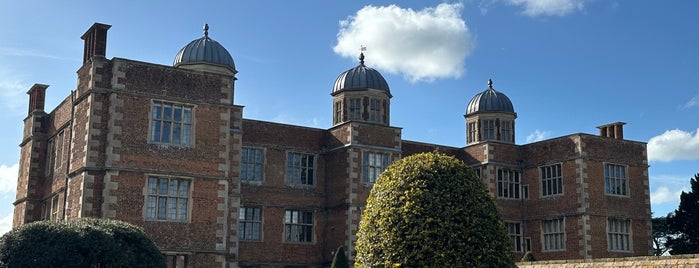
x,y
677,261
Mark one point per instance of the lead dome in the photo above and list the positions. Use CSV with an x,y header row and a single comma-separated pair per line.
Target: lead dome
x,y
490,100
360,78
204,51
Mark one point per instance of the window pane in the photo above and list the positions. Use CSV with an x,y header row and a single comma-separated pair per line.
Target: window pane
x,y
172,208
177,114
152,185
167,112
176,133
187,115
162,201
166,132
182,209
186,134
184,188
172,187
155,131
162,186
157,110
150,207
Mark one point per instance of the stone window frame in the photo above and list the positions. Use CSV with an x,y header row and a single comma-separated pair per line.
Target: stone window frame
x,y
506,130
489,129
245,165
553,235
619,235
338,112
295,170
156,126
298,226
355,109
472,132
250,224
551,183
509,186
51,206
59,145
372,169
514,230
177,259
50,156
374,110
153,196
616,180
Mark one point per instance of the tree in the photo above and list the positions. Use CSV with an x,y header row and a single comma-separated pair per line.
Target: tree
x,y
84,243
660,235
431,210
340,260
683,223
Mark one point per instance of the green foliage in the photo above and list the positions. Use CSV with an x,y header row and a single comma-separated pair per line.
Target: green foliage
x,y
528,257
85,243
340,260
683,223
431,210
660,235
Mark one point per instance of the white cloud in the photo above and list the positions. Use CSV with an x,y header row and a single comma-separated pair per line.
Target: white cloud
x,y
12,92
535,8
8,178
6,223
691,103
421,45
664,195
538,135
674,145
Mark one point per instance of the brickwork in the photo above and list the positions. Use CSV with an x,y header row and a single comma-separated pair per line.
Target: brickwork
x,y
108,155
679,261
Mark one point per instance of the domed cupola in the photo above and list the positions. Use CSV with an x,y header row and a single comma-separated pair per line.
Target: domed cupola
x,y
361,94
205,54
490,116
490,100
360,78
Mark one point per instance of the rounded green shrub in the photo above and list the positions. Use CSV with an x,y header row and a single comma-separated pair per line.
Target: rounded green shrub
x,y
431,210
84,243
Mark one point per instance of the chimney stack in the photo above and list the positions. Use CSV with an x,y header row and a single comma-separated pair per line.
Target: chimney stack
x,y
613,130
37,98
95,41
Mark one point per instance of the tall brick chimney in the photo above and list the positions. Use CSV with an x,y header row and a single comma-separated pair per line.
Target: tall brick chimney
x,y
37,98
95,41
613,130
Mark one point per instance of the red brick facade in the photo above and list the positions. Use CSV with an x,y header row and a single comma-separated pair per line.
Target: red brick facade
x,y
94,156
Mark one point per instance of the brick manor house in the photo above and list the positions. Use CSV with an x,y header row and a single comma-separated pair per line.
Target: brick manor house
x,y
167,148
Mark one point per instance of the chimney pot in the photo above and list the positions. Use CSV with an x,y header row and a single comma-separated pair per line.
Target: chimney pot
x,y
613,130
37,98
95,41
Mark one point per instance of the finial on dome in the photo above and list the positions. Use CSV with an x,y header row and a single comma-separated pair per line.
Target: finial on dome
x,y
361,54
206,30
490,83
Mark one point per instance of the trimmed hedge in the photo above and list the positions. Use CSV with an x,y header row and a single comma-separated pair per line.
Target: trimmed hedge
x,y
431,210
87,242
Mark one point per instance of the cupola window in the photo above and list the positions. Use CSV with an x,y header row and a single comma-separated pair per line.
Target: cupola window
x,y
355,109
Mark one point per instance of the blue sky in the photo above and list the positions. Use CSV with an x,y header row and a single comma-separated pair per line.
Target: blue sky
x,y
567,65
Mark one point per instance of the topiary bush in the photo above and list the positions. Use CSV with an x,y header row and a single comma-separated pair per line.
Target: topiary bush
x,y
340,260
84,243
528,257
431,210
